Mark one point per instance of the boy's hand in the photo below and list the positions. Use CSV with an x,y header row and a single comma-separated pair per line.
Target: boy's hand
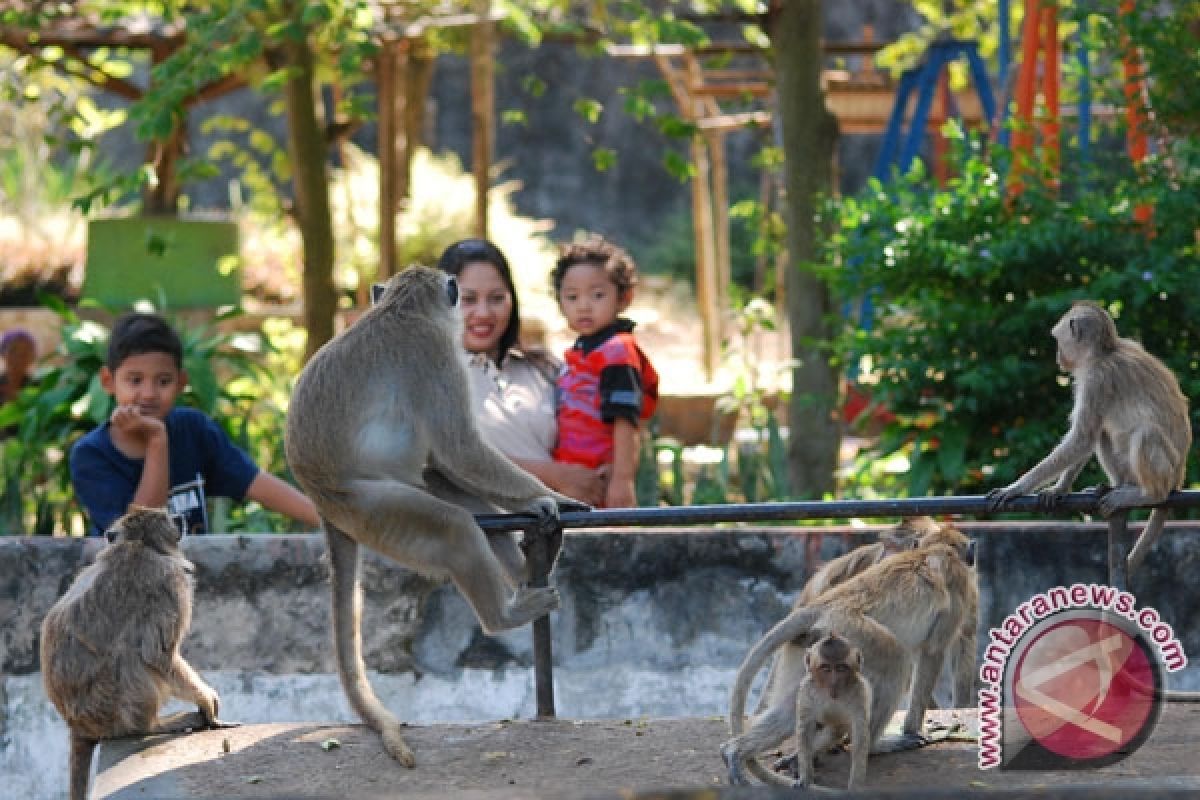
x,y
133,423
620,494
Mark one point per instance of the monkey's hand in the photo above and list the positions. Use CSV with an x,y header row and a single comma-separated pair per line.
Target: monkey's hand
x,y
998,497
1050,499
555,503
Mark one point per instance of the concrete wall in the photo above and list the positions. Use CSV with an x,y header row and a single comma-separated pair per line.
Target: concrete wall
x,y
652,624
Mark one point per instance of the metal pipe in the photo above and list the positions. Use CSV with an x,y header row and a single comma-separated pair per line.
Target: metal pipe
x,y
1118,550
541,546
975,505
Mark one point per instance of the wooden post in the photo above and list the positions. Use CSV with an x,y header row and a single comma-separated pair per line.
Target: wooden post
x,y
708,289
720,203
482,109
163,154
385,83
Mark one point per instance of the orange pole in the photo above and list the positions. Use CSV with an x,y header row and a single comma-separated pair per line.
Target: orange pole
x,y
1136,115
1051,123
1022,138
941,166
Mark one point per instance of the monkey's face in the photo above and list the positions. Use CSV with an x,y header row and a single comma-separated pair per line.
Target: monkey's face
x,y
1067,355
1084,332
833,663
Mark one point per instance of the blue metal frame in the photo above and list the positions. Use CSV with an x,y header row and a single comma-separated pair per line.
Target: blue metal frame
x,y
923,79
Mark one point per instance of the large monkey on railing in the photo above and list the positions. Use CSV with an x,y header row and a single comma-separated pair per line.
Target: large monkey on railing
x,y
381,436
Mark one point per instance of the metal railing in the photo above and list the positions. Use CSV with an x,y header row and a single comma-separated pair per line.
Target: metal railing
x,y
544,537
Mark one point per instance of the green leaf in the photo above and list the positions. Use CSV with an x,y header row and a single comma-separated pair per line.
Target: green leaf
x,y
533,85
513,116
589,109
603,158
679,166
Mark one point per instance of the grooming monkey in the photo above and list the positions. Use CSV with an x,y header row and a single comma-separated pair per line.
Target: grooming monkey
x,y
833,703
380,435
906,609
902,537
110,645
1128,410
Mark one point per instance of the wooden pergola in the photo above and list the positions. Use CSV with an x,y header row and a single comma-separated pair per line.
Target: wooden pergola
x,y
78,35
703,93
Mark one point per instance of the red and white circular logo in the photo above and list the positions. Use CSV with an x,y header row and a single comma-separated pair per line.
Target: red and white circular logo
x,y
1085,687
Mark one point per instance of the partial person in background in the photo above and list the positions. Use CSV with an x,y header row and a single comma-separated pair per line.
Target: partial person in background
x,y
512,388
19,351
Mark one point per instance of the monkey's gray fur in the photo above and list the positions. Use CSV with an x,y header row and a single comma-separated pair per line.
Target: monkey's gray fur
x,y
1129,411
110,645
381,436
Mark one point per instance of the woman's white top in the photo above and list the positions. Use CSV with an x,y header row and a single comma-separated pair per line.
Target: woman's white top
x,y
514,405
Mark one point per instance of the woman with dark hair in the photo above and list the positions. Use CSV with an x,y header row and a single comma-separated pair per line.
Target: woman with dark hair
x,y
512,388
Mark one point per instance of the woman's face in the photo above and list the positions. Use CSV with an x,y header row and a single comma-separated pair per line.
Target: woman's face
x,y
486,307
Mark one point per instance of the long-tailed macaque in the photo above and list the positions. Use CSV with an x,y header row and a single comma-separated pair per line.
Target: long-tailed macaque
x,y
833,703
1129,411
110,645
381,436
907,609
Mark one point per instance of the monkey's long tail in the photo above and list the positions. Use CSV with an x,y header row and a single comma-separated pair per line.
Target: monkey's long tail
x,y
81,765
347,634
1150,534
800,621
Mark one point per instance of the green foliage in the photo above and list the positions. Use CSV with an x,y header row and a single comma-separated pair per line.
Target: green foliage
x,y
966,286
233,377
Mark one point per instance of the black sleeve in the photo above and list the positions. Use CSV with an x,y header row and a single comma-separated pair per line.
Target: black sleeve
x,y
620,393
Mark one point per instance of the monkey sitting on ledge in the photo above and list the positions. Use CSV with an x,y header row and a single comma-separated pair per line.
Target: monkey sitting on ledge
x,y
110,645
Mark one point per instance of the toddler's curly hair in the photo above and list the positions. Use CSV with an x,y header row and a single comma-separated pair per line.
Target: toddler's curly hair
x,y
597,250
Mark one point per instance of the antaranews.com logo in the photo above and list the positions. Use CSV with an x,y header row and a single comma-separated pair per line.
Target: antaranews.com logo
x,y
1073,680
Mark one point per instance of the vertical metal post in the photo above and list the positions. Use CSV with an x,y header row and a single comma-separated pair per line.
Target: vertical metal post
x,y
1118,550
540,541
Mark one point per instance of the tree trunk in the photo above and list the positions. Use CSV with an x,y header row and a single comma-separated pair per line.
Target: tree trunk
x,y
310,179
809,134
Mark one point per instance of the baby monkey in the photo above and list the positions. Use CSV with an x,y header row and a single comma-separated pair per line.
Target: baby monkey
x,y
833,703
110,645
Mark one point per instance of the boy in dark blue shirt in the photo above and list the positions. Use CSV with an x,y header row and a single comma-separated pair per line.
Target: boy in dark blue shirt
x,y
152,454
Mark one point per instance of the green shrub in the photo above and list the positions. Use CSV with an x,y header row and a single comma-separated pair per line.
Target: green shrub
x,y
966,286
